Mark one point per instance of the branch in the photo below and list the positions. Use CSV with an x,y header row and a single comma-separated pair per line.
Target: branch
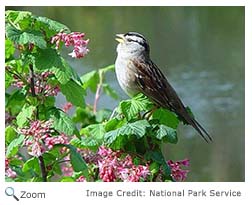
x,y
40,158
43,168
32,80
98,91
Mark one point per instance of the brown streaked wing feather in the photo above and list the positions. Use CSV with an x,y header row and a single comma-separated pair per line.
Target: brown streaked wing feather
x,y
154,85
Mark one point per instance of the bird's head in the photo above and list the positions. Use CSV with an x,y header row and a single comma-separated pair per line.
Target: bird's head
x,y
132,43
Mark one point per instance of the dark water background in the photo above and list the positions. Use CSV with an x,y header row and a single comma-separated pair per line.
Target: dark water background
x,y
200,50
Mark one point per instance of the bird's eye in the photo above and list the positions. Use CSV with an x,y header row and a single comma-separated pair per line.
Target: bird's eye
x,y
134,40
131,40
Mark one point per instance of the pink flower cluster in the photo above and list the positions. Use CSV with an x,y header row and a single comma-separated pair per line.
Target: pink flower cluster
x,y
66,167
74,39
114,167
41,85
39,137
17,82
81,179
177,173
67,106
8,171
51,141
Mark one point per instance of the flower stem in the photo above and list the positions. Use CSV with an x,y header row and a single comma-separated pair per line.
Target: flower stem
x,y
32,80
43,169
98,91
40,158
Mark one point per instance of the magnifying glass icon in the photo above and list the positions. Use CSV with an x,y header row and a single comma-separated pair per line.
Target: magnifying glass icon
x,y
9,191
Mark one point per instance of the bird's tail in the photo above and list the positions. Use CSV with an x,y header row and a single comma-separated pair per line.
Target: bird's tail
x,y
203,133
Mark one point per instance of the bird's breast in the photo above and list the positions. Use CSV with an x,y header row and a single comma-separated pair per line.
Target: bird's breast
x,y
126,76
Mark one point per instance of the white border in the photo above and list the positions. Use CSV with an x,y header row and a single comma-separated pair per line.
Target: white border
x,y
66,193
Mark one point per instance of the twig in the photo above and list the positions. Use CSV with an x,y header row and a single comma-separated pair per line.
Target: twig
x,y
98,91
40,158
43,168
32,80
66,160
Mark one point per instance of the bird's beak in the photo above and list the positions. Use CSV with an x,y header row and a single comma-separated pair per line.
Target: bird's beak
x,y
120,38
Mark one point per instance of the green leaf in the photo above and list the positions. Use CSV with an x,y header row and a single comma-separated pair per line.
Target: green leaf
x,y
77,162
63,73
76,159
109,91
113,124
10,134
167,134
85,142
137,129
157,156
74,93
115,140
48,157
16,162
83,115
49,101
74,74
17,16
67,179
90,80
31,164
167,170
131,108
111,136
52,25
62,122
49,59
166,117
20,19
154,167
12,148
93,137
25,37
9,48
96,131
8,80
18,65
102,115
15,102
24,115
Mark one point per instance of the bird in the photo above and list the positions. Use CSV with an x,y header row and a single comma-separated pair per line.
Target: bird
x,y
137,73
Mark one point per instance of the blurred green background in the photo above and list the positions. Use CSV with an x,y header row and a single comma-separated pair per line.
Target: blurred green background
x,y
201,52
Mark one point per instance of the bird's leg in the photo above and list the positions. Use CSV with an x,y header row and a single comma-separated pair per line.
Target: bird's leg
x,y
148,114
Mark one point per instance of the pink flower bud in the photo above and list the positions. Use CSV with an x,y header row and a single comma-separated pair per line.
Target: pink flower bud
x,y
74,39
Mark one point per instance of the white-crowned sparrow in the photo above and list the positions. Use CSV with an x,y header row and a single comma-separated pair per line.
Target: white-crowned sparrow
x,y
137,73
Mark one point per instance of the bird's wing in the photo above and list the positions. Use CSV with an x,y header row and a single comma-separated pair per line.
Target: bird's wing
x,y
154,85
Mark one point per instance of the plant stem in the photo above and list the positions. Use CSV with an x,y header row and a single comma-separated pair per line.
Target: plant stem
x,y
98,91
32,80
42,167
40,158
